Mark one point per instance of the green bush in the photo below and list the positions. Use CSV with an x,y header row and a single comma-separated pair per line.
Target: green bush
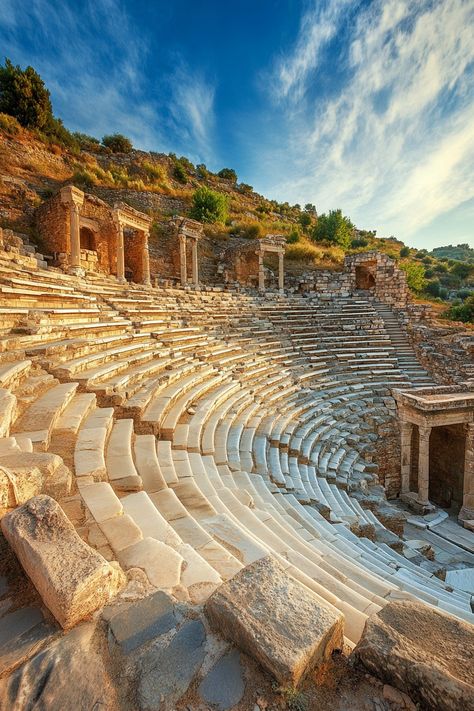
x,y
433,288
202,171
179,173
117,143
462,269
405,252
359,242
415,274
305,220
24,96
84,178
245,188
228,174
462,312
334,227
154,171
209,205
86,142
9,124
293,237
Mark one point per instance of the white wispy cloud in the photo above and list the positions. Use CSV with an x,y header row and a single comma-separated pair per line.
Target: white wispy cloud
x,y
394,146
93,59
192,110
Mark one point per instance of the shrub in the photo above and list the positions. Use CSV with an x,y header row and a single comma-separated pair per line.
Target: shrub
x,y
179,173
86,142
433,288
462,312
462,269
309,207
463,294
405,252
228,174
334,227
209,205
84,178
154,171
245,188
57,132
293,237
359,242
202,171
9,124
305,220
249,230
117,143
24,96
415,274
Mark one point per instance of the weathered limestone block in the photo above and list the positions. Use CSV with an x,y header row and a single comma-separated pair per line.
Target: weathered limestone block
x,y
16,489
422,651
275,620
72,578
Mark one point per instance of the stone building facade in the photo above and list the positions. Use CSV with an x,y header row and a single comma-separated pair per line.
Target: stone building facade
x,y
244,263
84,234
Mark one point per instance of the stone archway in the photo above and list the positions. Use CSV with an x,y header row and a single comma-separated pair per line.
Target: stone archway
x,y
365,276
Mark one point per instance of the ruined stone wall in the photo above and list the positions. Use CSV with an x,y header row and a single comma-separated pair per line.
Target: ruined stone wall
x,y
387,455
106,236
445,349
52,223
134,242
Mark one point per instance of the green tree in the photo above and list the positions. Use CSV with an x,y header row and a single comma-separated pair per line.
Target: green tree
x,y
305,220
462,312
117,143
415,274
24,96
228,174
309,207
334,227
405,252
179,173
462,270
209,205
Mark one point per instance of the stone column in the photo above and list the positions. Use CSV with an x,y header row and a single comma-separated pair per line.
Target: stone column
x,y
146,263
120,254
281,273
261,273
195,262
467,510
182,260
424,464
406,429
75,239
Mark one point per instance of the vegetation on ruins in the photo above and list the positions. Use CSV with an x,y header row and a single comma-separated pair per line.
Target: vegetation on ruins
x,y
117,143
462,312
415,274
208,205
334,227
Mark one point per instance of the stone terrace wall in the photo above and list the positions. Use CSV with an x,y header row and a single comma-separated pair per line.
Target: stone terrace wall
x,y
52,224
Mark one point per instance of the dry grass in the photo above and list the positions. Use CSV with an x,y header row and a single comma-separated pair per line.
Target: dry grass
x,y
313,255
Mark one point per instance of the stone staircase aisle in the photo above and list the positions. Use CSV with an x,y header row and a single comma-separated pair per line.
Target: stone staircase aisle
x,y
405,353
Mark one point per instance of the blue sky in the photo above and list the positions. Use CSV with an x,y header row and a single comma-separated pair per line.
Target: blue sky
x,y
366,105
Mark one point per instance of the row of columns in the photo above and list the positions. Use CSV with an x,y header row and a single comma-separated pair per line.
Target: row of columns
x,y
261,271
183,260
424,433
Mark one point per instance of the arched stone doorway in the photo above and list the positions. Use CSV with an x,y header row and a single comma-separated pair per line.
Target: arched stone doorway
x,y
365,276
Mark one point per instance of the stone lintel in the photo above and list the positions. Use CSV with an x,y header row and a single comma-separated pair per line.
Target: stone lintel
x,y
70,195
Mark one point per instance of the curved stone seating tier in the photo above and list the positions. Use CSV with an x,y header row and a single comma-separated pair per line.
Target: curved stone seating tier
x,y
208,429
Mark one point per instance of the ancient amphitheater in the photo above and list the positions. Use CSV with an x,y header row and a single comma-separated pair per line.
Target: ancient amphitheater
x,y
192,434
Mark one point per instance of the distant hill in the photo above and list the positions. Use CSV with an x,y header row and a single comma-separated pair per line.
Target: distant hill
x,y
461,252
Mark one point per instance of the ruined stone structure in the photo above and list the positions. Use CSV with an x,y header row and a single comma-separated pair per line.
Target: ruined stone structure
x,y
192,231
372,272
85,235
244,263
440,422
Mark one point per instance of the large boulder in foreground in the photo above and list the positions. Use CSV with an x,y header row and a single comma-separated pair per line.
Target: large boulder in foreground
x,y
275,620
68,675
422,651
72,578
